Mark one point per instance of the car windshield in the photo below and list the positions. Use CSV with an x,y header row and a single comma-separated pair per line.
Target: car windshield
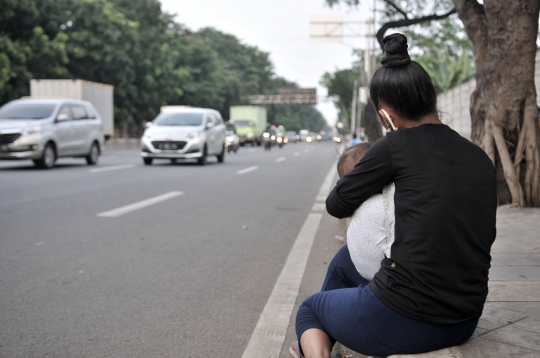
x,y
26,111
179,119
242,123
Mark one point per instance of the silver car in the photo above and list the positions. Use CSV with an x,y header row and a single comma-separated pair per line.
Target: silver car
x,y
44,130
181,132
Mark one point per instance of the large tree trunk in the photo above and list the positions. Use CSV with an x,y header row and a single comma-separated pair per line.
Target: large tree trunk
x,y
372,124
503,107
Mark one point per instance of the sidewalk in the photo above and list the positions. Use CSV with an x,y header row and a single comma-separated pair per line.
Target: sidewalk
x,y
510,324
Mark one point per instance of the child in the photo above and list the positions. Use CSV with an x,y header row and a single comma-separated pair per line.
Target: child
x,y
371,230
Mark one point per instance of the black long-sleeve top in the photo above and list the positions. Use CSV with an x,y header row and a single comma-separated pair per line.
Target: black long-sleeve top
x,y
445,207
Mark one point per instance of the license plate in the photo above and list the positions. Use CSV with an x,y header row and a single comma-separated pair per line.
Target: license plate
x,y
167,146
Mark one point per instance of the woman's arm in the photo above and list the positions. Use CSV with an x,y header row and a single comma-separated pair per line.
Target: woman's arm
x,y
366,179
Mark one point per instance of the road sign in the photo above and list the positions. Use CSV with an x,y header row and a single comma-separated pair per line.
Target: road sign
x,y
288,97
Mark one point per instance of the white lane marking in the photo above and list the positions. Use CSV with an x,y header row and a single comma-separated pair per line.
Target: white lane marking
x,y
319,207
296,154
115,167
306,150
139,205
247,170
271,329
321,198
280,159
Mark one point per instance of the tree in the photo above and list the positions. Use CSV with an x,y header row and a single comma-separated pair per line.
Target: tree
x,y
504,110
503,107
26,50
340,84
444,50
156,79
397,14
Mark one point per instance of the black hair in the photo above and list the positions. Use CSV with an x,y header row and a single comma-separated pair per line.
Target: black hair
x,y
402,84
351,156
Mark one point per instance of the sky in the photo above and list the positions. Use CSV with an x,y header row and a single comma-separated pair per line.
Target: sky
x,y
282,28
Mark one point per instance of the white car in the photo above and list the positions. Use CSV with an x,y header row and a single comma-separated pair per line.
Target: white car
x,y
181,132
44,130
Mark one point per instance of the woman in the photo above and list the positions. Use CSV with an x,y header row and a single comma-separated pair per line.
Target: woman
x,y
430,294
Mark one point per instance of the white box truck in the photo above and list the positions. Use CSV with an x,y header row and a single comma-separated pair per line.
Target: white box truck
x,y
99,94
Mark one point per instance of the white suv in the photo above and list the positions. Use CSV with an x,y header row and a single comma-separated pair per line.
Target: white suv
x,y
181,132
44,130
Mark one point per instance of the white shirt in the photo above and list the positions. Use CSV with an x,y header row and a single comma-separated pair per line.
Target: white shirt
x,y
371,232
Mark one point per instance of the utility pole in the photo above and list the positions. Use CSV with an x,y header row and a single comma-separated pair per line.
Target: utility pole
x,y
353,112
331,28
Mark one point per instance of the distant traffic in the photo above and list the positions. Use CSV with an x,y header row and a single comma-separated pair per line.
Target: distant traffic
x,y
46,127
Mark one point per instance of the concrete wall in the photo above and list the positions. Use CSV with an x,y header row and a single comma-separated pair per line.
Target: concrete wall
x,y
454,104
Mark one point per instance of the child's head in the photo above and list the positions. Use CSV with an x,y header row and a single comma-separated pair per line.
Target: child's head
x,y
350,157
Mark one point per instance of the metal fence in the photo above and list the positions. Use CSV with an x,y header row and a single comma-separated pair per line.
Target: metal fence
x,y
454,105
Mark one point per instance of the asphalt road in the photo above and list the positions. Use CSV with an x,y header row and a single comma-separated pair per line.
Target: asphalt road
x,y
186,274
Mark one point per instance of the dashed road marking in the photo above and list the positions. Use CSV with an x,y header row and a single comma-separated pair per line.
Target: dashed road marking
x,y
247,170
318,207
139,205
280,159
296,154
115,167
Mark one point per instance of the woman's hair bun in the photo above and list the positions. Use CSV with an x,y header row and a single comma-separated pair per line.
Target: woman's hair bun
x,y
395,51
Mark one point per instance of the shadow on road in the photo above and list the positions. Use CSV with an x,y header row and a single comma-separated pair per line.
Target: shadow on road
x,y
31,167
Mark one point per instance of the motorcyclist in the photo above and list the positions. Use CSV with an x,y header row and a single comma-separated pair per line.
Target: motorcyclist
x,y
269,136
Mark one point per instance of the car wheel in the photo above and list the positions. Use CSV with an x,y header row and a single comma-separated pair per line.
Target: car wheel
x,y
147,161
202,160
48,158
93,156
221,156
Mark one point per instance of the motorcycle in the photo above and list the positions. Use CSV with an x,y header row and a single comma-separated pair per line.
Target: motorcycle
x,y
280,141
267,141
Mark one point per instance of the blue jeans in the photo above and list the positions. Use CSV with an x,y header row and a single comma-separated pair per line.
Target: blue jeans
x,y
348,311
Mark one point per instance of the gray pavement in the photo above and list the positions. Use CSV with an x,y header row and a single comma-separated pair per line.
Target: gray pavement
x,y
186,277
510,324
189,276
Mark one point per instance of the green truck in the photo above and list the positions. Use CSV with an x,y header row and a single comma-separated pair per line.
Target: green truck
x,y
250,122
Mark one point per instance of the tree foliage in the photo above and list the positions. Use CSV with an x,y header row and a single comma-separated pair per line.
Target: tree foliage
x,y
340,84
133,45
444,50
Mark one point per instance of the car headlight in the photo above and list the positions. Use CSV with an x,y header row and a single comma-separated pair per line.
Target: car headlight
x,y
31,130
193,135
249,135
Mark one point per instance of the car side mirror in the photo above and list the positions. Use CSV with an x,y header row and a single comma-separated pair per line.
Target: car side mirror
x,y
148,124
209,125
62,117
